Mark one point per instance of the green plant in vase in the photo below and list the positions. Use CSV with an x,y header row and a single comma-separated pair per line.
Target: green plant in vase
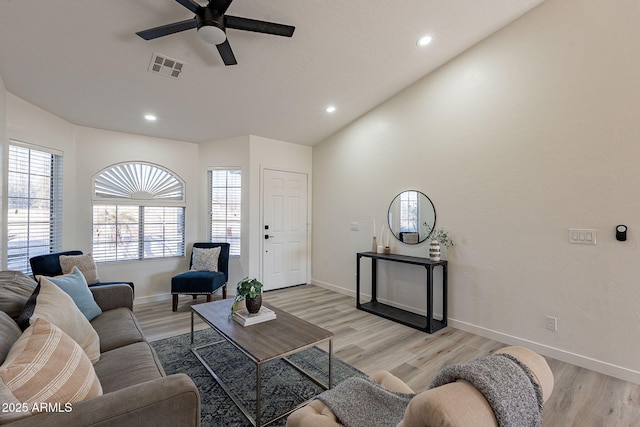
x,y
439,238
249,290
441,235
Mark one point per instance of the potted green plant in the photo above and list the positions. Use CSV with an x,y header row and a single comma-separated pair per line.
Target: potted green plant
x,y
249,290
441,235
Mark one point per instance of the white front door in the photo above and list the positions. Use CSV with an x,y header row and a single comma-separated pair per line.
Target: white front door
x,y
285,244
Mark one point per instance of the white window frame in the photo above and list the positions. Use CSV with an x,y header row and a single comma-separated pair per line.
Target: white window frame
x,y
52,237
232,217
142,189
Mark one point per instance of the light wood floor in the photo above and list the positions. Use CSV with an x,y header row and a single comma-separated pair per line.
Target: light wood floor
x,y
580,398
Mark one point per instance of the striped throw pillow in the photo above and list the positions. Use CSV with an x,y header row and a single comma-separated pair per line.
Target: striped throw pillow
x,y
46,366
51,303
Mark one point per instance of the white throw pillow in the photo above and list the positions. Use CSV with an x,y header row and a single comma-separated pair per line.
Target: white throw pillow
x,y
205,259
85,264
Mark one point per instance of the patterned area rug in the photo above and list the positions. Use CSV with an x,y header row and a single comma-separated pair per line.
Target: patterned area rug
x,y
283,387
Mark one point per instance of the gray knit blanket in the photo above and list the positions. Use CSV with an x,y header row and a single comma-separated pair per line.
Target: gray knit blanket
x,y
362,402
506,383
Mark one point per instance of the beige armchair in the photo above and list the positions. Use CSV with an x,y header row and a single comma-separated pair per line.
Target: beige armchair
x,y
455,404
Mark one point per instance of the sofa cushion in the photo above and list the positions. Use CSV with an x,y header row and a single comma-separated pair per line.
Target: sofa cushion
x,y
9,334
75,285
117,328
15,289
53,304
85,263
129,365
205,259
46,366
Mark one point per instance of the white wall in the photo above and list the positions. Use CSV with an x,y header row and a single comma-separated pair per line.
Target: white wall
x,y
88,151
31,124
529,133
253,154
272,154
231,152
98,149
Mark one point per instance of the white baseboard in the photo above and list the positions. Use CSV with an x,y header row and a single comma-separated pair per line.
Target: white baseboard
x,y
334,288
600,366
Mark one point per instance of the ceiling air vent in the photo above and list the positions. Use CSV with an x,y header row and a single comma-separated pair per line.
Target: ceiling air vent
x,y
161,64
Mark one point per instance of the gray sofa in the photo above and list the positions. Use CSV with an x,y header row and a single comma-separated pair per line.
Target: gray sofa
x,y
136,390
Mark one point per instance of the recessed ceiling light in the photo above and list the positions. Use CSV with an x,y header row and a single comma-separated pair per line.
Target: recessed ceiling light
x,y
150,117
424,40
330,109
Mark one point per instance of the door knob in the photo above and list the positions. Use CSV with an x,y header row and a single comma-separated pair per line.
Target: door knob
x,y
266,236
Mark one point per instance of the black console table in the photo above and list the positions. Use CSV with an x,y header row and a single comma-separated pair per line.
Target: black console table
x,y
428,323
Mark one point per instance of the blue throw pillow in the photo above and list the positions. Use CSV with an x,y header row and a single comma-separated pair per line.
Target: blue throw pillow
x,y
75,285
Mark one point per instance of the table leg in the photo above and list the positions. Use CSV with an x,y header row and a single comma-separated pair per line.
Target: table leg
x,y
330,363
191,327
358,281
374,280
429,298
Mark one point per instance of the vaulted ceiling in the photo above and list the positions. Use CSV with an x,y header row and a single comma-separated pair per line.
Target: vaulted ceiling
x,y
82,61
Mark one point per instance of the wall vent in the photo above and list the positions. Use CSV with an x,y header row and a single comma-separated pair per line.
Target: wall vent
x,y
162,64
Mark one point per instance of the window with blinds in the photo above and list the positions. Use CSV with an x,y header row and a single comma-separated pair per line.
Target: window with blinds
x,y
138,213
225,200
34,204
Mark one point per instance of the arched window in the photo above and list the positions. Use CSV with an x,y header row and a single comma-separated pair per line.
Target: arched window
x,y
138,213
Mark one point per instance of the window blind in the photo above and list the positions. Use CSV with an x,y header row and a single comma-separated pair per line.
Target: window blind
x,y
225,201
34,205
138,213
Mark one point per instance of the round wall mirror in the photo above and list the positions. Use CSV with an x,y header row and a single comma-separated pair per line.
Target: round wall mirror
x,y
408,213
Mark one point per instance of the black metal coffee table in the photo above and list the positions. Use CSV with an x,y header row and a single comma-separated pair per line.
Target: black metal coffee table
x,y
261,343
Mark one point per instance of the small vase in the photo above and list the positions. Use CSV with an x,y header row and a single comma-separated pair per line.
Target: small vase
x,y
254,304
434,251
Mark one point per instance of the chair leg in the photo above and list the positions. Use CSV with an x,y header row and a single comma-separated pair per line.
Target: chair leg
x,y
224,291
209,297
175,302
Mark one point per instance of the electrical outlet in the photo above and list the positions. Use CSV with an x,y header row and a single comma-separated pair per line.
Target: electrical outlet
x,y
552,324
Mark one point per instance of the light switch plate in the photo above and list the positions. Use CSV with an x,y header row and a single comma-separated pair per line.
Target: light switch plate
x,y
582,236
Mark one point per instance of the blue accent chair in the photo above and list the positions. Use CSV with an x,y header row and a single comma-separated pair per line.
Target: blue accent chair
x,y
49,265
203,282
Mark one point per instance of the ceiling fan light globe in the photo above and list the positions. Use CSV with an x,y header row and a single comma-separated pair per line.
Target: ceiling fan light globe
x,y
212,34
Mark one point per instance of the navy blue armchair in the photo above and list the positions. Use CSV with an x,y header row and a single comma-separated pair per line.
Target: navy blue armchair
x,y
49,265
203,282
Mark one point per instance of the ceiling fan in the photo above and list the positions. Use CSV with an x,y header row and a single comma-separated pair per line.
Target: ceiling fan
x,y
212,23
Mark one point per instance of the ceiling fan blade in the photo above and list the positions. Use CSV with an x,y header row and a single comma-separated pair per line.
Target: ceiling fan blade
x,y
226,53
220,5
189,4
165,30
246,24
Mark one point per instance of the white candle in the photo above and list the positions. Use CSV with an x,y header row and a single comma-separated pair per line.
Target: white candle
x,y
374,227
